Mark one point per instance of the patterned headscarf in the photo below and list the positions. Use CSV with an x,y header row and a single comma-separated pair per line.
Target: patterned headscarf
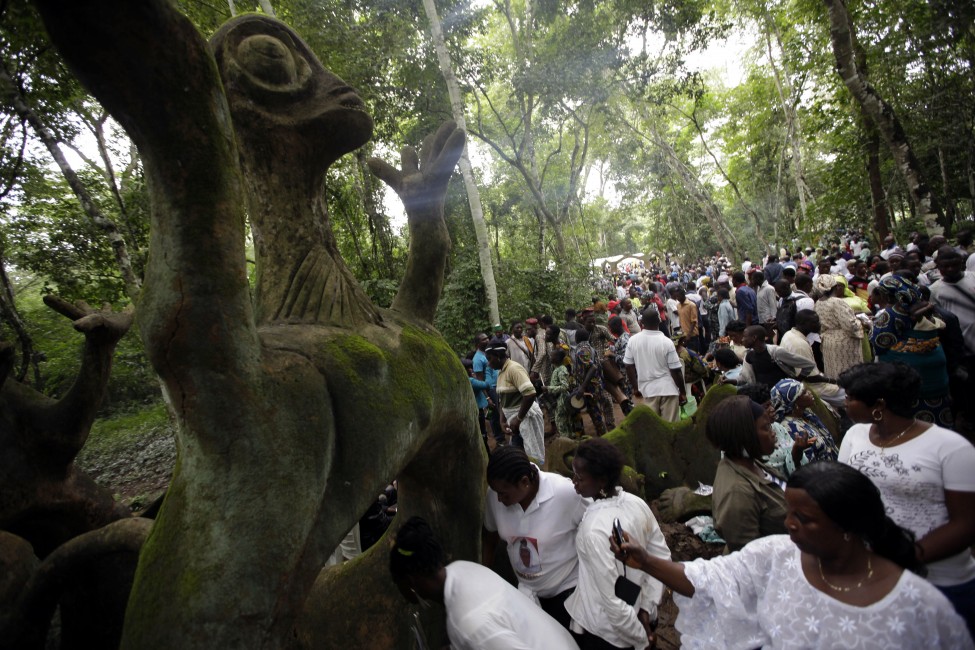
x,y
902,294
567,360
826,282
784,396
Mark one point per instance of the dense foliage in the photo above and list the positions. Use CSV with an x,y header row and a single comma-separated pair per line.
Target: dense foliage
x,y
592,134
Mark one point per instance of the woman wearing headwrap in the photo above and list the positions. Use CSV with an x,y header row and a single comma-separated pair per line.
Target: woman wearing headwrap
x,y
859,305
905,330
862,311
801,437
841,332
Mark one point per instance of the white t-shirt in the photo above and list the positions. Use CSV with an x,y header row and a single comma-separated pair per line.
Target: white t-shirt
x,y
760,598
594,605
484,612
672,316
803,301
912,478
542,539
654,355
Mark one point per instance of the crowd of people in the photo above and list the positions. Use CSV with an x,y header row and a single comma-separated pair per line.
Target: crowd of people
x,y
662,333
852,536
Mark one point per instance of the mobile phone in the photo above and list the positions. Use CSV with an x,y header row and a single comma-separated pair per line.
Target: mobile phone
x,y
618,532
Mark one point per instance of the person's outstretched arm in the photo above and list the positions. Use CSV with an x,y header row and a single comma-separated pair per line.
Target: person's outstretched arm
x,y
666,571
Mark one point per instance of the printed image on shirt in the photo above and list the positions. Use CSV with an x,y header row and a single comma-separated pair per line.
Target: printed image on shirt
x,y
908,497
529,564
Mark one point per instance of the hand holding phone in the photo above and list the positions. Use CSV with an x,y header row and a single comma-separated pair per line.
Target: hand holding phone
x,y
618,534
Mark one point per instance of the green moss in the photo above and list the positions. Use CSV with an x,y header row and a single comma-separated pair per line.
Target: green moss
x,y
355,358
406,379
669,454
155,564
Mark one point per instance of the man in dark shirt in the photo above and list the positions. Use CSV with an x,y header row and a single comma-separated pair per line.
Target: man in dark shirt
x,y
746,299
764,367
773,270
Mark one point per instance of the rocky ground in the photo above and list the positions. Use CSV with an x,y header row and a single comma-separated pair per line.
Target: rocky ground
x,y
684,545
136,466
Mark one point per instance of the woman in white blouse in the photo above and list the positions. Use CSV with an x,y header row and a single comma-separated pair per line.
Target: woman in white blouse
x,y
536,514
604,619
838,580
925,473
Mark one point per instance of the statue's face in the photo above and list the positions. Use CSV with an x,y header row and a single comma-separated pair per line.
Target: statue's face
x,y
273,81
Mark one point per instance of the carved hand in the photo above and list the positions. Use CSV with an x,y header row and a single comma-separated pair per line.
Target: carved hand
x,y
100,326
422,183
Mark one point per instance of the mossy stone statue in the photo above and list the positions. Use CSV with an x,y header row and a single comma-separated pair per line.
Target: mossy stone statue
x,y
296,408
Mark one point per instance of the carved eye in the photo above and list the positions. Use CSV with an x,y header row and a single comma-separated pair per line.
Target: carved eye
x,y
268,59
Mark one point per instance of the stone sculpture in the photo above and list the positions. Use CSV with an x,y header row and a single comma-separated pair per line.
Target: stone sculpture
x,y
294,410
44,497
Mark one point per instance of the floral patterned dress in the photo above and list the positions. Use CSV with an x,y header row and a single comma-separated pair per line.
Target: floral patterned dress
x,y
567,422
841,334
759,597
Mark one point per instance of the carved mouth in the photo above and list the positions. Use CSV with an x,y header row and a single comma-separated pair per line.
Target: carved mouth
x,y
346,97
353,102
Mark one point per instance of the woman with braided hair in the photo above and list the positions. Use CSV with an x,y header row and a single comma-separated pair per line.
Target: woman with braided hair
x,y
483,611
536,514
844,577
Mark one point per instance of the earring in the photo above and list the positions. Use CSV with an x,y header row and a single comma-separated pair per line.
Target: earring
x,y
878,415
603,493
846,537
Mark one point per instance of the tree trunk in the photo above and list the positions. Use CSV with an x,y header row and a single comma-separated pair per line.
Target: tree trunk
x,y
877,194
948,200
12,90
786,94
712,213
473,195
8,309
842,35
734,186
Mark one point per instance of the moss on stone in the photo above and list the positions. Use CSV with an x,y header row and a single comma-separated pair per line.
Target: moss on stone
x,y
669,454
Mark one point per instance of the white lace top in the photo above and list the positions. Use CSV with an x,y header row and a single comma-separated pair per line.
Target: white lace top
x,y
759,598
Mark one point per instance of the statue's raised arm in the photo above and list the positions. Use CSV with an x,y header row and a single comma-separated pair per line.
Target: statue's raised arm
x,y
149,66
422,185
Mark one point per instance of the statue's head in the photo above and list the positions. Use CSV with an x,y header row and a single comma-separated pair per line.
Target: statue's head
x,y
276,88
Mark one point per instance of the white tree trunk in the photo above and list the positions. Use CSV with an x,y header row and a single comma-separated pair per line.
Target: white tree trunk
x,y
10,88
473,195
793,132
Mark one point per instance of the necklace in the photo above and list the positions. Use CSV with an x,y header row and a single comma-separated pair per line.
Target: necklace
x,y
883,447
845,589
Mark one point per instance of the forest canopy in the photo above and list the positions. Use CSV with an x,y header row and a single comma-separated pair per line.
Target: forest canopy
x,y
594,129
